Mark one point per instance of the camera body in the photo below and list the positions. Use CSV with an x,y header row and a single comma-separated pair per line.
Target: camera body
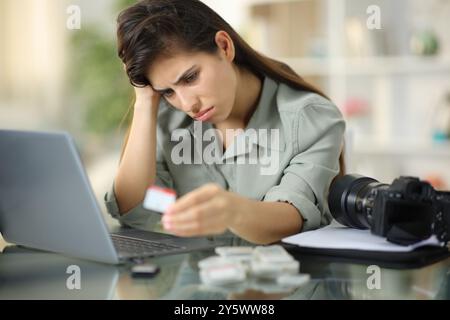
x,y
407,211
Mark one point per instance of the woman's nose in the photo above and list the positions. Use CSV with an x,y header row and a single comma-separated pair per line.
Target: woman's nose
x,y
188,103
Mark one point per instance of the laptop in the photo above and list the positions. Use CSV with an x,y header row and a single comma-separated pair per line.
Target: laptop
x,y
47,203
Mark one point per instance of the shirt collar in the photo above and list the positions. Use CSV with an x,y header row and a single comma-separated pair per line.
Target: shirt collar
x,y
266,116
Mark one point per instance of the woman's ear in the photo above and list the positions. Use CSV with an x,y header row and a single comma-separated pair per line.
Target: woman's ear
x,y
225,45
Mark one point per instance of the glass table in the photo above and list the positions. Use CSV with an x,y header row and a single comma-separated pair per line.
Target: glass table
x,y
32,274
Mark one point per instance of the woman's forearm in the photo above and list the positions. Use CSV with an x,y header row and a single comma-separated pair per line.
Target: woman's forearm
x,y
137,168
266,222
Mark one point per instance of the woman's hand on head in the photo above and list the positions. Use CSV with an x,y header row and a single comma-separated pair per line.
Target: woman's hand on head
x,y
145,95
208,210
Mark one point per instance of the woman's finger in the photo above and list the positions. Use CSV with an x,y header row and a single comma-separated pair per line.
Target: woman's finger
x,y
195,229
194,198
200,220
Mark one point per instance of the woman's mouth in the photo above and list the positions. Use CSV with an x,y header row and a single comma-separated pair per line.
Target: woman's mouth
x,y
205,114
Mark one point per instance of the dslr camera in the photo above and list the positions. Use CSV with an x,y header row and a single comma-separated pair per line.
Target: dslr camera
x,y
407,211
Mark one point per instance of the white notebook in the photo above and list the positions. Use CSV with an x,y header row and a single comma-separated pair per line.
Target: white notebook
x,y
336,236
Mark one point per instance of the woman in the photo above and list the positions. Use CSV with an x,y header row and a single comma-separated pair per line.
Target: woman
x,y
193,73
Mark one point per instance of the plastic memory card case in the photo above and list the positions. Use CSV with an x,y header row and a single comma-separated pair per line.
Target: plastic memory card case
x,y
258,267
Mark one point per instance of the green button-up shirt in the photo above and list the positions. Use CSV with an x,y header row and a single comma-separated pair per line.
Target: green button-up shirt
x,y
289,152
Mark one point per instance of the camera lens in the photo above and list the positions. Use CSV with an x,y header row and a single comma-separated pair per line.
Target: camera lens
x,y
351,200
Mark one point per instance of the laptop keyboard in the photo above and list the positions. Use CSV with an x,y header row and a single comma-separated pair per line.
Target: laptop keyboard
x,y
138,247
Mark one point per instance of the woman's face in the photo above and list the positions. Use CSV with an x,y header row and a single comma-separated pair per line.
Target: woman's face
x,y
200,84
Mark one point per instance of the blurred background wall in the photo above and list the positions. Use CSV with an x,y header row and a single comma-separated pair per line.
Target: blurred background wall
x,y
389,76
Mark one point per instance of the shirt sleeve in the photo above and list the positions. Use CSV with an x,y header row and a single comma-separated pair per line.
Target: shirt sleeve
x,y
139,217
317,141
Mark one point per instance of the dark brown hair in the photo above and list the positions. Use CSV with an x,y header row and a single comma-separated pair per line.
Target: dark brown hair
x,y
153,28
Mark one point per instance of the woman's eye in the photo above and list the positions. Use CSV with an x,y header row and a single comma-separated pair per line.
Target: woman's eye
x,y
168,93
191,78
